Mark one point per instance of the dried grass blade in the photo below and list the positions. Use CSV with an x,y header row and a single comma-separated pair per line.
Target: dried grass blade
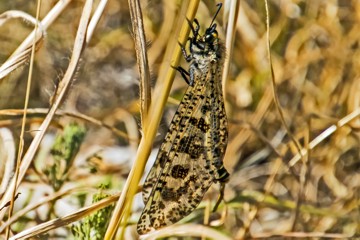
x,y
65,83
142,59
63,221
20,54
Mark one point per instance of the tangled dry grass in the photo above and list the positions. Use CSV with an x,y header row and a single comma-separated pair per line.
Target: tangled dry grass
x,y
293,154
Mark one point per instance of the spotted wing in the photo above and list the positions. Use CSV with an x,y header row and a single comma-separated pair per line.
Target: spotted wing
x,y
218,133
190,105
183,171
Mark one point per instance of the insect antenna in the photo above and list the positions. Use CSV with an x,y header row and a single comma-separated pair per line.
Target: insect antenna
x,y
219,5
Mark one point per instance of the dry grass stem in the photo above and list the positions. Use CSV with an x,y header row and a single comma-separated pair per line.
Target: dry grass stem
x,y
142,59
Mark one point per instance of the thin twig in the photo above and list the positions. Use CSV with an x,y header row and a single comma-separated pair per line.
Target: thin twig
x,y
276,97
77,115
325,134
13,187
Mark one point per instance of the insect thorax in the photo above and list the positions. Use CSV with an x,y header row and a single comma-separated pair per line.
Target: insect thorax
x,y
210,55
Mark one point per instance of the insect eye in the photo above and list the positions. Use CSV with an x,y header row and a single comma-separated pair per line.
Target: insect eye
x,y
210,36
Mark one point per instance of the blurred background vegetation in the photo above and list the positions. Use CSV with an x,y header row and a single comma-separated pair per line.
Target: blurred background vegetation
x,y
272,192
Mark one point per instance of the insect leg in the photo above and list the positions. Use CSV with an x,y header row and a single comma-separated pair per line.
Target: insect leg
x,y
221,196
198,44
223,178
195,30
187,57
183,73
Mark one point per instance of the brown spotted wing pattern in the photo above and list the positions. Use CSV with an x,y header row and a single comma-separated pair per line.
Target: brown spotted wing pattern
x,y
190,158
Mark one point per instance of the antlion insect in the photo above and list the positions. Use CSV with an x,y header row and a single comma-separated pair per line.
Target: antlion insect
x,y
190,158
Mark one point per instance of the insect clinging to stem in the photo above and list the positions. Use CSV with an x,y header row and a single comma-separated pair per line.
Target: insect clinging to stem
x,y
190,158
